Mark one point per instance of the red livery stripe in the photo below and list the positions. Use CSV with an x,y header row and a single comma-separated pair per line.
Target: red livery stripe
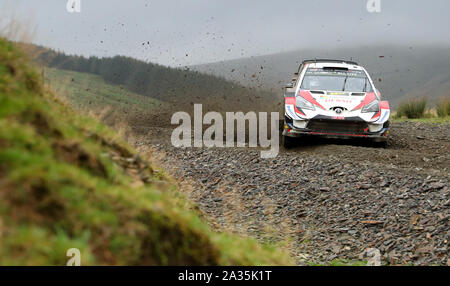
x,y
384,104
307,95
340,134
377,114
289,100
370,96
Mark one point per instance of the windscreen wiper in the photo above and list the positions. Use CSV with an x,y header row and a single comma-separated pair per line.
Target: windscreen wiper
x,y
365,84
345,82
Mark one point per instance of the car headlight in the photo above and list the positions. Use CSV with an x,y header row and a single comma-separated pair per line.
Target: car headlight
x,y
374,106
375,127
302,103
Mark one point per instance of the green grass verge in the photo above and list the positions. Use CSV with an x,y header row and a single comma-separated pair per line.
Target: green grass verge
x,y
416,111
430,120
62,186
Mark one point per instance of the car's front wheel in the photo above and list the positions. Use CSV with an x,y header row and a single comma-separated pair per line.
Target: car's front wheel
x,y
287,142
382,144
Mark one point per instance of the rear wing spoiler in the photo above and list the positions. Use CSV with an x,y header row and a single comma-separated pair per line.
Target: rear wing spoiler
x,y
329,61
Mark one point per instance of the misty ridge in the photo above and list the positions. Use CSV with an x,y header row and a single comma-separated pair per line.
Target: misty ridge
x,y
399,72
256,83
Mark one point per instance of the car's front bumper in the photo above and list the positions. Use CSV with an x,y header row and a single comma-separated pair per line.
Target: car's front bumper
x,y
337,129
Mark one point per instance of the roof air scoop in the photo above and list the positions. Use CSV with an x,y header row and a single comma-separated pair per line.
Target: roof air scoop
x,y
335,68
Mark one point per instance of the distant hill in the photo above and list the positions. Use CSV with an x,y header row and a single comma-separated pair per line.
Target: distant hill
x,y
435,88
180,88
400,72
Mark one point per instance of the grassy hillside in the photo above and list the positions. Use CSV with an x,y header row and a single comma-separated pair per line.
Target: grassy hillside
x,y
66,181
113,104
88,91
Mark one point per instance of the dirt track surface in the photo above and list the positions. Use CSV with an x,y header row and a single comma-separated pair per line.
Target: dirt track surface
x,y
327,199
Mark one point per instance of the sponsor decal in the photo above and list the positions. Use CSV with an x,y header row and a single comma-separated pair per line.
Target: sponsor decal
x,y
337,93
338,100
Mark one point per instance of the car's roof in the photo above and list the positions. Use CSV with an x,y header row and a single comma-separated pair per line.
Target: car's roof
x,y
323,64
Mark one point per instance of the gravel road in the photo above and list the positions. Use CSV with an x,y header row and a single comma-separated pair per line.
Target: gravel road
x,y
329,199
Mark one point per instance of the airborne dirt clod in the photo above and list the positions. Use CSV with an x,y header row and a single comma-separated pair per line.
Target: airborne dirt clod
x,y
328,199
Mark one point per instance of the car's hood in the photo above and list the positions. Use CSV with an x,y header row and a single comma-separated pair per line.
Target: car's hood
x,y
328,100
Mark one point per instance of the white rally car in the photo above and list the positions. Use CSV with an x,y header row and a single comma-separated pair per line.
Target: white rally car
x,y
334,98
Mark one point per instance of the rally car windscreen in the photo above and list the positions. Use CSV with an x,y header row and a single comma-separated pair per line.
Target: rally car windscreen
x,y
329,79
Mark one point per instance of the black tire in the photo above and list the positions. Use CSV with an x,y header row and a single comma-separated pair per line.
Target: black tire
x,y
382,144
287,142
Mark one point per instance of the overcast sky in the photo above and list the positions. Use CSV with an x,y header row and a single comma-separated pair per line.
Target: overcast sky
x,y
186,32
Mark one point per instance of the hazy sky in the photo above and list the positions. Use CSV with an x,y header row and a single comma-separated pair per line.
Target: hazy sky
x,y
187,32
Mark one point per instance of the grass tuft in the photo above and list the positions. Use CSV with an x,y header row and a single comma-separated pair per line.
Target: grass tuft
x,y
443,107
412,108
